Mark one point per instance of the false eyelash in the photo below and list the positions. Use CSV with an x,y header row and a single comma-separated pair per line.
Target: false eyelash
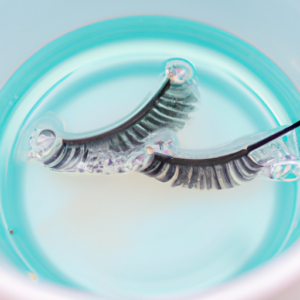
x,y
214,176
220,172
169,108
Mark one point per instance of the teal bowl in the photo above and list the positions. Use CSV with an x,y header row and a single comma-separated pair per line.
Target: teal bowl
x,y
127,236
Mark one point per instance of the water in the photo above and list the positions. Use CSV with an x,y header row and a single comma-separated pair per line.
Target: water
x,y
129,236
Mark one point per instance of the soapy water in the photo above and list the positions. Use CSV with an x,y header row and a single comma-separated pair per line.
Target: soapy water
x,y
128,236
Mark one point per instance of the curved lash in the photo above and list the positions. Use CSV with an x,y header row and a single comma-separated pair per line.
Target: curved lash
x,y
169,108
220,172
202,176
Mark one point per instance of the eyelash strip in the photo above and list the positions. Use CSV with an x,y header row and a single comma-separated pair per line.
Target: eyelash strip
x,y
221,172
202,174
170,108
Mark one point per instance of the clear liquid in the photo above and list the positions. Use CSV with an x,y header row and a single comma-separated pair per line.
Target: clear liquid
x,y
129,236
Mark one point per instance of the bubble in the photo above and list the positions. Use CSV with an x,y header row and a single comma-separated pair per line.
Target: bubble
x,y
43,142
179,71
286,171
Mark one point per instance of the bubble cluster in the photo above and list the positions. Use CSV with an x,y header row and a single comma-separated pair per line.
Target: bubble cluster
x,y
179,71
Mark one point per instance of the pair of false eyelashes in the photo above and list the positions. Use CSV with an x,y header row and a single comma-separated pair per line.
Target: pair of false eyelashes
x,y
170,108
